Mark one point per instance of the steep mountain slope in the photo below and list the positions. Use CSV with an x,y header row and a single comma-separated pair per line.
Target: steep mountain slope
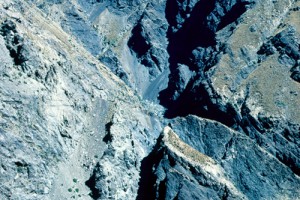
x,y
57,104
235,169
87,87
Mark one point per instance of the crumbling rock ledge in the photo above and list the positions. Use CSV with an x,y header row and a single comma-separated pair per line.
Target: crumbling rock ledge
x,y
212,161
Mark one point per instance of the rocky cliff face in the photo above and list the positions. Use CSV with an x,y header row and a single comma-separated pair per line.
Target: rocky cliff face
x,y
162,99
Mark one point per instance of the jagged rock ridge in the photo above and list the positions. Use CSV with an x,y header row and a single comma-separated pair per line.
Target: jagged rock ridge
x,y
71,129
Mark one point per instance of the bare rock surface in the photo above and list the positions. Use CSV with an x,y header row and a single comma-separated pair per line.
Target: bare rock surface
x,y
162,99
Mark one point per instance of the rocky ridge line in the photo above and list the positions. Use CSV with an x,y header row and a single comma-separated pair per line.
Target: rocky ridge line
x,y
72,129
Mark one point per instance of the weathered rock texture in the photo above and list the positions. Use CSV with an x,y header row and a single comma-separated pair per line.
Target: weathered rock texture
x,y
87,87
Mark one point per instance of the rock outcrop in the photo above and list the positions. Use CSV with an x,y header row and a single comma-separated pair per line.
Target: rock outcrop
x,y
162,99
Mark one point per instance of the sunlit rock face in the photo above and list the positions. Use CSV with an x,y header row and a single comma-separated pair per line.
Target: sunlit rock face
x,y
162,99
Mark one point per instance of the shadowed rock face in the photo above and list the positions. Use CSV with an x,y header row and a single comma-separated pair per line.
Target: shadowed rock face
x,y
175,170
87,88
13,42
